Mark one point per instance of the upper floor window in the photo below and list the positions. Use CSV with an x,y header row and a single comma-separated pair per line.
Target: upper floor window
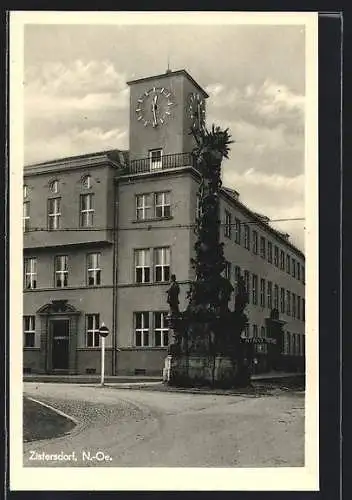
x,y
142,265
30,273
262,247
87,210
141,320
282,300
282,260
54,186
293,305
227,229
254,289
156,159
288,264
246,281
303,273
199,210
276,256
303,310
298,269
270,295
237,277
262,292
61,271
238,231
93,269
276,297
26,216
247,241
288,302
298,307
25,191
255,242
294,268
87,181
143,206
92,330
270,252
29,331
161,329
162,264
54,213
162,204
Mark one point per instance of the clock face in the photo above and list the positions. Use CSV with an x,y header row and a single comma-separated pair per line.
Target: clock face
x,y
154,107
196,109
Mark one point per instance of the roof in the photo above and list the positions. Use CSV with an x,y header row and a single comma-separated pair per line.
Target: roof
x,y
167,74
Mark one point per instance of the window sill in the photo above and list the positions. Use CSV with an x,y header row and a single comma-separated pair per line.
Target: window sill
x,y
152,283
152,219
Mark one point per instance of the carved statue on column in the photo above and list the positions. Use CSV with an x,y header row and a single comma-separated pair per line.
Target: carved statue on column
x,y
172,296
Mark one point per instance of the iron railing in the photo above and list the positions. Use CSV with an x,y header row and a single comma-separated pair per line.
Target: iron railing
x,y
165,162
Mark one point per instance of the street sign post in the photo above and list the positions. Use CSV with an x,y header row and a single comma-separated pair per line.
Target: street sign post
x,y
103,332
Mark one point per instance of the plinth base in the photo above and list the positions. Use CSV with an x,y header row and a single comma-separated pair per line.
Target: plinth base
x,y
198,370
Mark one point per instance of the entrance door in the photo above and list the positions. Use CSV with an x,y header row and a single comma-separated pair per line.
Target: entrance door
x,y
60,345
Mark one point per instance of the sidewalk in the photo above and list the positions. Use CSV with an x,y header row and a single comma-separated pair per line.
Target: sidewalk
x,y
135,379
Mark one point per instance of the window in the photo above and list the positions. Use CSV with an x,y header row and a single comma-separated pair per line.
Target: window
x,y
92,330
237,231
255,242
198,207
270,252
282,300
303,273
161,330
282,260
254,289
54,186
54,213
87,210
289,347
303,345
303,310
141,329
162,264
298,307
227,229
262,247
288,264
294,268
298,269
30,273
25,191
61,271
262,292
93,269
246,330
276,297
155,156
298,344
288,302
276,256
26,216
270,295
246,281
143,206
29,331
247,239
293,305
227,271
237,277
293,346
142,265
262,332
87,181
162,204
255,331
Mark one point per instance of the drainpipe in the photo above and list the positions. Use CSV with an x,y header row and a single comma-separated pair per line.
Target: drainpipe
x,y
114,290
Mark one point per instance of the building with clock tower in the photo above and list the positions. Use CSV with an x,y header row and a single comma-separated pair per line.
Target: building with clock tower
x,y
103,233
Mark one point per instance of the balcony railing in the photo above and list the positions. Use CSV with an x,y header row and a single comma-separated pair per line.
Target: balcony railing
x,y
164,162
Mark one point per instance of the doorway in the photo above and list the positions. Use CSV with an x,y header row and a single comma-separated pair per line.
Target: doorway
x,y
60,344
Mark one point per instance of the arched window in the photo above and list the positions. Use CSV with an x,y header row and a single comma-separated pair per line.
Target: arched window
x,y
25,191
54,186
87,181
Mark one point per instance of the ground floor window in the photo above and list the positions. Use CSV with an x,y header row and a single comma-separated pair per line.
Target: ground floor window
x,y
29,331
92,330
141,320
151,329
161,330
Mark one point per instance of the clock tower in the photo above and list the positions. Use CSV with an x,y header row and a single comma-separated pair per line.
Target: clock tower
x,y
163,109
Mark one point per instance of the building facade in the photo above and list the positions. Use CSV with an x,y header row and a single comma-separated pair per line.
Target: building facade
x,y
103,233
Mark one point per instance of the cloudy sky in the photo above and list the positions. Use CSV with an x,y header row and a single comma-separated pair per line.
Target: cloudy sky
x,y
76,99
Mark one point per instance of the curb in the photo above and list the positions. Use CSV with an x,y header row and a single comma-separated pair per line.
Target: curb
x,y
52,408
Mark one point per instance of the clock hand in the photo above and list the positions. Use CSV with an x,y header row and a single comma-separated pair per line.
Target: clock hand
x,y
154,107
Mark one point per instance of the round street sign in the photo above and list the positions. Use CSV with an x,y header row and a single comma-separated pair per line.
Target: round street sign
x,y
103,330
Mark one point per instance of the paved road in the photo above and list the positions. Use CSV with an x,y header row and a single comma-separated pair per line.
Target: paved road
x,y
150,428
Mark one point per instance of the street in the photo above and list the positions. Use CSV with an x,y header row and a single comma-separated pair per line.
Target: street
x,y
126,427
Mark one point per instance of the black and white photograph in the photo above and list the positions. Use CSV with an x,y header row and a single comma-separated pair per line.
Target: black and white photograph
x,y
164,239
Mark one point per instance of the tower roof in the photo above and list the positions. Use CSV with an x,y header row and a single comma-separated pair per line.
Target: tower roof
x,y
167,74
